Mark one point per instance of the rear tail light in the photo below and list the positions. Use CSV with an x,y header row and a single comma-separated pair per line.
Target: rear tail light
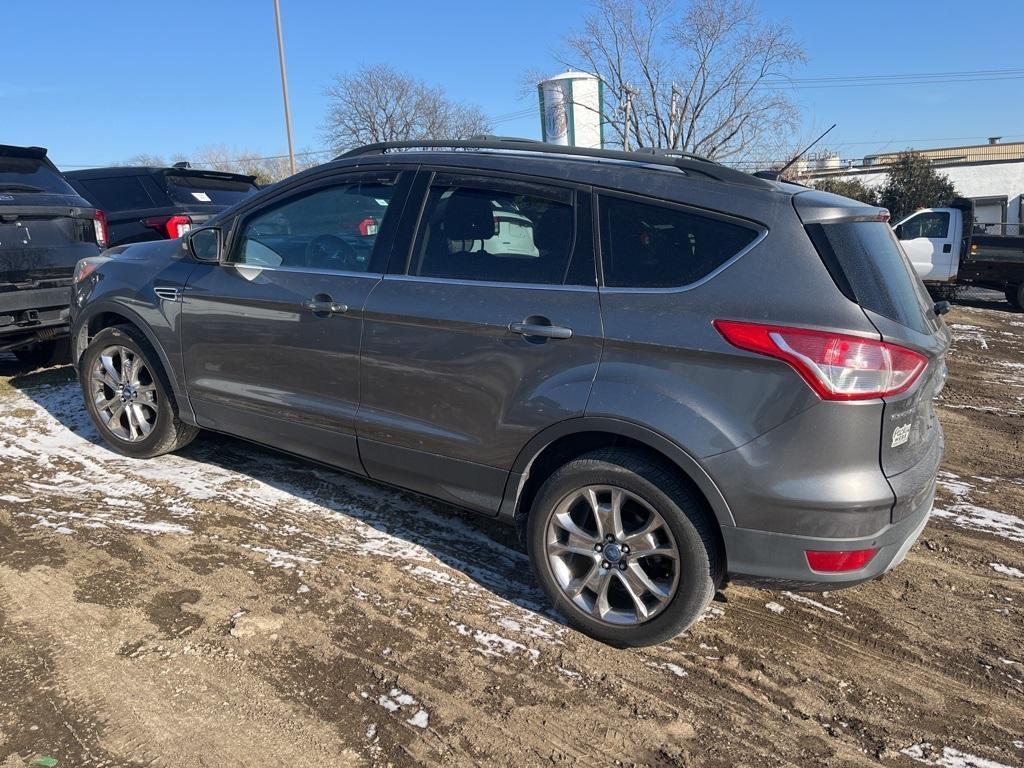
x,y
172,227
99,223
835,365
835,562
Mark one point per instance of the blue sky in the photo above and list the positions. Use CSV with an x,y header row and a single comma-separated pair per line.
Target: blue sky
x,y
102,81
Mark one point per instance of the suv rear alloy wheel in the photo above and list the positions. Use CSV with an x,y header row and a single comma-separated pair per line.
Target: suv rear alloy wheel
x,y
623,548
127,396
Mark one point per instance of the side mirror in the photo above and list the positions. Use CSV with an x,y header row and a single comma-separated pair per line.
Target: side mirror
x,y
204,244
899,232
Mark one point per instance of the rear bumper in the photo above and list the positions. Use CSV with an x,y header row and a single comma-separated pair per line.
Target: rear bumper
x,y
33,315
778,559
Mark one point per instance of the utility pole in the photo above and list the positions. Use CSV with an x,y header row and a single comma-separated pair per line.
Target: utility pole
x,y
628,110
284,86
672,117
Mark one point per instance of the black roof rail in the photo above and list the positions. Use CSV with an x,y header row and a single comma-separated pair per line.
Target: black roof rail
x,y
671,158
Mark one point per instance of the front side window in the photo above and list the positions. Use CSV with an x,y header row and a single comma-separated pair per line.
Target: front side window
x,y
333,228
645,245
934,224
495,235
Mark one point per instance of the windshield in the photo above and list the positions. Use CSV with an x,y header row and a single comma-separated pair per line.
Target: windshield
x,y
31,174
192,189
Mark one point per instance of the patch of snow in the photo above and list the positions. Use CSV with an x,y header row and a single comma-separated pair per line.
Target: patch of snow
x,y
948,757
139,525
675,669
494,645
813,603
421,719
371,731
570,673
1007,570
303,589
774,607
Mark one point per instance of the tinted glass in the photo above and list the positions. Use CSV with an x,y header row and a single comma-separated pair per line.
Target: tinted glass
x,y
876,270
123,193
652,246
933,225
199,189
332,228
27,174
494,235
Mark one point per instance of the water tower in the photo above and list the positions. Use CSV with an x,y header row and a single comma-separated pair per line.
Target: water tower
x,y
571,109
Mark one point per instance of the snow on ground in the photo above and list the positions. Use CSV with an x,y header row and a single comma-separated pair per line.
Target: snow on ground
x,y
948,757
962,512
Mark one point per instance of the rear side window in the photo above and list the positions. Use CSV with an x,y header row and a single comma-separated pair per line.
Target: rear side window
x,y
499,233
189,190
868,265
119,193
644,245
30,174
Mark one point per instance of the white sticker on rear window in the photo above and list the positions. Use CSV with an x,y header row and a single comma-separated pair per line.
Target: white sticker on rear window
x,y
202,197
900,435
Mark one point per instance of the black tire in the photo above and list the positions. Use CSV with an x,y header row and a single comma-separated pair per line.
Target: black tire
x,y
168,432
692,526
43,354
1015,295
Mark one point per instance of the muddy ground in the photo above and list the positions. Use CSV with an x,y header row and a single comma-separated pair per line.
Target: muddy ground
x,y
232,606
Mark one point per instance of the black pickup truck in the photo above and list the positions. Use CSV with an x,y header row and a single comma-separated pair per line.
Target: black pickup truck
x,y
45,228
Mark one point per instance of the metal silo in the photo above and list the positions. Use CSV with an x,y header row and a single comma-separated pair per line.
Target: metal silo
x,y
571,109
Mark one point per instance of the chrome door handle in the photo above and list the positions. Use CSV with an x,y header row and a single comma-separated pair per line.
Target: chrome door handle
x,y
324,307
540,330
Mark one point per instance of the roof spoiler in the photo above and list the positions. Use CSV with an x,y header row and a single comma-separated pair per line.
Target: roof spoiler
x,y
34,153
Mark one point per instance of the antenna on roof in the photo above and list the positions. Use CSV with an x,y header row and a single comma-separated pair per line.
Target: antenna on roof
x,y
776,175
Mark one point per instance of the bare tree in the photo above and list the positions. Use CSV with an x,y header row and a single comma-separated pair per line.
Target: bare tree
x,y
381,104
705,78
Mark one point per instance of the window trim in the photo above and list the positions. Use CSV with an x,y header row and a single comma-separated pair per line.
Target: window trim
x,y
428,176
299,191
603,192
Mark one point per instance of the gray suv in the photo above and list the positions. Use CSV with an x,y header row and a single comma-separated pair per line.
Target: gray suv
x,y
665,372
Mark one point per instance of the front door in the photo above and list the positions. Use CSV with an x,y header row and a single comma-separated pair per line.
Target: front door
x,y
492,333
270,337
929,244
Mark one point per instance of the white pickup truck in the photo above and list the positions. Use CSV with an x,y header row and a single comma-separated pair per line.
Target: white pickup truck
x,y
947,248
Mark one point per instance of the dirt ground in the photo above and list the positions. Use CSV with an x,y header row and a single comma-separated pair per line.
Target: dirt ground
x,y
232,606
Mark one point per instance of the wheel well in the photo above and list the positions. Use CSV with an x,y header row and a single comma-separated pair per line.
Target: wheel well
x,y
96,324
565,449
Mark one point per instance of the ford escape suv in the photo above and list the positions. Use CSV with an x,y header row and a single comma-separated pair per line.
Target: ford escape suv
x,y
665,372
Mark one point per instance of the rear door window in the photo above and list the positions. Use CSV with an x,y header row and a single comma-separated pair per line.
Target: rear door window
x,y
869,266
30,174
646,245
188,189
119,193
496,230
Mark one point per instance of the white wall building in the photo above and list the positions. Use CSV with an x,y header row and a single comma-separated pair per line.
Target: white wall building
x,y
991,174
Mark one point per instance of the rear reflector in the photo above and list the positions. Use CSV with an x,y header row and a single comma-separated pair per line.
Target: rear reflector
x,y
835,562
836,366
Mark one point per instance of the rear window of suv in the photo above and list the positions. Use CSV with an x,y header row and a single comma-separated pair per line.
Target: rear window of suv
x,y
30,174
868,265
644,245
192,189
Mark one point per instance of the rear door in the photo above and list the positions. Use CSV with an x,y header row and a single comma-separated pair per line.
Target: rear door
x,y
490,333
270,339
929,240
